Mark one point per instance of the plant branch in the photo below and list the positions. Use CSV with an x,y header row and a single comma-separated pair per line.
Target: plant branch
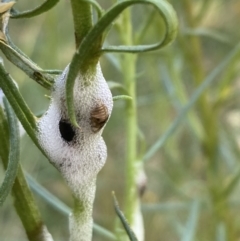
x,y
82,18
23,200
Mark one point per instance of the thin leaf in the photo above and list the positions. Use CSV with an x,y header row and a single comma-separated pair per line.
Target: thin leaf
x,y
19,106
205,84
191,225
211,33
4,140
122,97
113,60
31,69
114,85
52,71
44,7
124,222
221,232
14,153
164,9
56,203
234,180
166,207
89,46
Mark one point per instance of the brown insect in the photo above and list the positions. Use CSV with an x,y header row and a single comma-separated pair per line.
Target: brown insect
x,y
99,117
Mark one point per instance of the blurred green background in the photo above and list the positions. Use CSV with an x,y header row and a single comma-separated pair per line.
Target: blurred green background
x,y
193,190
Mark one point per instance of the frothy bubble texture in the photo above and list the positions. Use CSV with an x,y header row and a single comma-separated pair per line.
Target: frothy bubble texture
x,y
81,157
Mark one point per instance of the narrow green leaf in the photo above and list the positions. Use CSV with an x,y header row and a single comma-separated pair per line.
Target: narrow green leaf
x,y
114,85
211,33
18,104
103,232
124,222
44,7
55,202
61,206
164,9
221,232
191,225
168,207
113,60
31,69
14,152
122,97
234,180
4,140
90,46
52,71
182,115
12,93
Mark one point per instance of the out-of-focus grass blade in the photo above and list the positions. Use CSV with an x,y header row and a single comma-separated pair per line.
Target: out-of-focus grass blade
x,y
122,97
177,92
166,207
221,232
234,179
113,60
211,33
229,140
124,222
14,152
62,207
114,85
205,84
191,225
47,196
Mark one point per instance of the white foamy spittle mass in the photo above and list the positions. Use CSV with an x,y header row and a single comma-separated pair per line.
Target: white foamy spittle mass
x,y
79,154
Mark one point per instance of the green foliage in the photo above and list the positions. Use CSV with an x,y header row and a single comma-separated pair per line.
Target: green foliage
x,y
186,104
14,152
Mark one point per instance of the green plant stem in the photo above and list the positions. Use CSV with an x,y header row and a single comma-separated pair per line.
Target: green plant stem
x,y
14,153
80,221
128,69
82,18
23,200
27,209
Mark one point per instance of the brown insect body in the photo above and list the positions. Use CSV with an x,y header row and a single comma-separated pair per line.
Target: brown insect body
x,y
99,117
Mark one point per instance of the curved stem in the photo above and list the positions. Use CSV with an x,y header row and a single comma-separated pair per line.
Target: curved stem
x,y
89,51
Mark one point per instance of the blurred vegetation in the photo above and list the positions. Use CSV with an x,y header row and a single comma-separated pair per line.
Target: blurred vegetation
x,y
193,179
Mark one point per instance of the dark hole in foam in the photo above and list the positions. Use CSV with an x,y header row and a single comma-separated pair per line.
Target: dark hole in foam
x,y
66,130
